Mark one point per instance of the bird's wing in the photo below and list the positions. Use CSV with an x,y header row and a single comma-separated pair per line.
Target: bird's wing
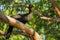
x,y
16,16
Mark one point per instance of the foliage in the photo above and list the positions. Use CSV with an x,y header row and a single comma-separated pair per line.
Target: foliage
x,y
51,30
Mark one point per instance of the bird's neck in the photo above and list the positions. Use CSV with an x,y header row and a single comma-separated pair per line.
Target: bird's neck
x,y
30,11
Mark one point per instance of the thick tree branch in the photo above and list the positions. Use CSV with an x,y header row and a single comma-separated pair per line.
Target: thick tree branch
x,y
20,25
56,8
3,17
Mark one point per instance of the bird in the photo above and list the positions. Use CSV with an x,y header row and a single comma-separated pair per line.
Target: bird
x,y
24,18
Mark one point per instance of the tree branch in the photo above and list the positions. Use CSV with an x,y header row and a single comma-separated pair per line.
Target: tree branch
x,y
56,8
20,25
46,18
15,32
19,5
2,32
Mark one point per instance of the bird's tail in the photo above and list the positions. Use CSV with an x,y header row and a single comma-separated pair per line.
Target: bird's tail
x,y
9,31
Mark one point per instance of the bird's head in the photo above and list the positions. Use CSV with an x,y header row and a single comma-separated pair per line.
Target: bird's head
x,y
30,7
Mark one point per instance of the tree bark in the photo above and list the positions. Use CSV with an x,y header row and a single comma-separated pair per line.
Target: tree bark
x,y
20,25
56,8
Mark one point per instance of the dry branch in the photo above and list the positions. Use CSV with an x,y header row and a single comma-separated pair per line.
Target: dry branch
x,y
20,25
56,8
46,18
